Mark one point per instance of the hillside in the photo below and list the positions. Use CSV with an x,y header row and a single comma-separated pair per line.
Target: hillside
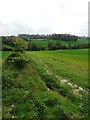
x,y
54,84
37,42
44,43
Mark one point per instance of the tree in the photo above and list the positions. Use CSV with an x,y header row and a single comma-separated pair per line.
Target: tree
x,y
58,45
43,48
50,44
20,44
34,47
18,57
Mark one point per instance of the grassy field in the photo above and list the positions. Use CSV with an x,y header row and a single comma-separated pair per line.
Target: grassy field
x,y
72,64
54,84
44,43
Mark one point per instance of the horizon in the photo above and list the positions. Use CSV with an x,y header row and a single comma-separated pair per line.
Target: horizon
x,y
42,34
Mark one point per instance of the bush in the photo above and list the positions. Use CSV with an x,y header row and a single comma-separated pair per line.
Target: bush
x,y
7,48
34,47
17,59
50,81
61,114
43,48
20,44
51,102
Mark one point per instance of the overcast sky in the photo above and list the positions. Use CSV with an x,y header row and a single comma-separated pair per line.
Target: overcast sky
x,y
43,17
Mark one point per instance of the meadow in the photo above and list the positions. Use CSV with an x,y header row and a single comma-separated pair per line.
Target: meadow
x,y
44,42
54,84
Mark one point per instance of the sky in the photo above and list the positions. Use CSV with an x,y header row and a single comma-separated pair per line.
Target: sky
x,y
44,17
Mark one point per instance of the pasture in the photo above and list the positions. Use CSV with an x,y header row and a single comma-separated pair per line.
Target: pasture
x,y
44,42
54,84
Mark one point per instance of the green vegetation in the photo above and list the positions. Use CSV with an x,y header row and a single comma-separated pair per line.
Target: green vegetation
x,y
80,43
6,47
4,54
18,57
47,42
20,44
54,84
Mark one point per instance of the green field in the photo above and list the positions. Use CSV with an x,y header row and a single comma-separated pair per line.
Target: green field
x,y
44,42
54,84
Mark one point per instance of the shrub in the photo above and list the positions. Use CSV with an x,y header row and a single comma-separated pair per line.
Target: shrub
x,y
20,44
17,59
7,48
61,114
50,81
43,48
51,102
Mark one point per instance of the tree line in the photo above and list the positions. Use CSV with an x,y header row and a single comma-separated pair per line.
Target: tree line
x,y
65,37
52,45
58,45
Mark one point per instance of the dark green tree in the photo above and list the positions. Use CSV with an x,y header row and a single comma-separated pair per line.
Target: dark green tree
x,y
20,44
18,57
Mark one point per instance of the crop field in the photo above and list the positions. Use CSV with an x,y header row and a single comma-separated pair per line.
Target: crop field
x,y
54,84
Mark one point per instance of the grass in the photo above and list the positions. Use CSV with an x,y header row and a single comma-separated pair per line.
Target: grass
x,y
71,64
37,91
44,42
5,54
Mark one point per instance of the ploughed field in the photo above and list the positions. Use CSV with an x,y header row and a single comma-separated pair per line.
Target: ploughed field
x,y
54,84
